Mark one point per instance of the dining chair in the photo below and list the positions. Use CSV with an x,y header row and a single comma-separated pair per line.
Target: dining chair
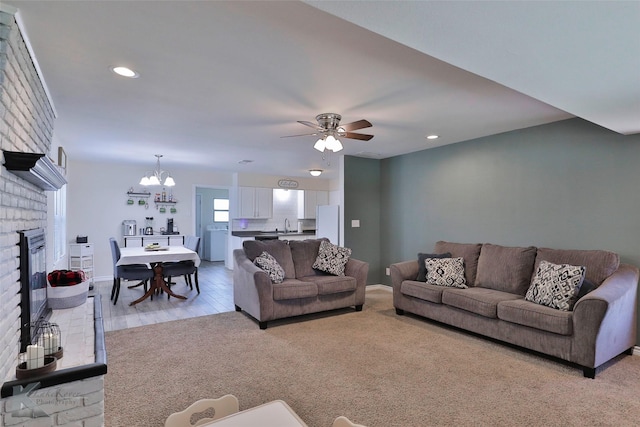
x,y
343,421
222,407
140,272
184,268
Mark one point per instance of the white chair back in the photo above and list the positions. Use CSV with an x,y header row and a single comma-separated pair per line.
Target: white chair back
x,y
223,406
345,422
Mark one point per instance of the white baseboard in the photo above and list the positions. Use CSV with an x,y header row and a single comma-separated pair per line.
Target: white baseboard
x,y
636,350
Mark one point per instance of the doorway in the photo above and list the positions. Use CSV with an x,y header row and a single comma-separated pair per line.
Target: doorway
x,y
211,225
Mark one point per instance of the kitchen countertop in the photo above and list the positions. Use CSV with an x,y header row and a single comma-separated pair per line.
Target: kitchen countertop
x,y
274,233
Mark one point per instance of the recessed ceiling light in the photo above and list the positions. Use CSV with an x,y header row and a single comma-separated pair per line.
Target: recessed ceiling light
x,y
432,136
125,72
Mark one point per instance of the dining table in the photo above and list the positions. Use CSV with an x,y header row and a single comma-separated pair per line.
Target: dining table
x,y
271,414
156,256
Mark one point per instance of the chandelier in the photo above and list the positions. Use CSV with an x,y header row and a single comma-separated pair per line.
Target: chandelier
x,y
155,177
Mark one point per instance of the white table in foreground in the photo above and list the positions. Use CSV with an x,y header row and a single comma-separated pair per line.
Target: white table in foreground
x,y
272,414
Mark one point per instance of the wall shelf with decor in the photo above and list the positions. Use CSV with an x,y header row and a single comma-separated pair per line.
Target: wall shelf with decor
x,y
162,205
141,196
136,194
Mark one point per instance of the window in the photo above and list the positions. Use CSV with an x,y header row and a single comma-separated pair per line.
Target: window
x,y
220,210
59,223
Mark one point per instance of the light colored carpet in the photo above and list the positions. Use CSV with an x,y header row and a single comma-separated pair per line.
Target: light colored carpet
x,y
375,367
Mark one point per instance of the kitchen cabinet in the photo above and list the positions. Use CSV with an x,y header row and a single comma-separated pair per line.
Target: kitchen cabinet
x,y
308,200
81,258
255,202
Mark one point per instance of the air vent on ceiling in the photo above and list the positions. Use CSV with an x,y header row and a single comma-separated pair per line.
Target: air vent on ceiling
x,y
35,168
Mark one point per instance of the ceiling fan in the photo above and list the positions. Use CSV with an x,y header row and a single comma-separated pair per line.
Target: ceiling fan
x,y
329,129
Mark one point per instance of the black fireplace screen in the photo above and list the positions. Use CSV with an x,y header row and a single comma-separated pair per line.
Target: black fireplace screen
x,y
33,285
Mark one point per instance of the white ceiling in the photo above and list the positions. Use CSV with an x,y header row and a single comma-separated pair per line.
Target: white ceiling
x,y
223,81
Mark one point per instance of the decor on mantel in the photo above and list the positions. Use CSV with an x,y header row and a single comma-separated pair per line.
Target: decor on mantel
x,y
315,172
155,177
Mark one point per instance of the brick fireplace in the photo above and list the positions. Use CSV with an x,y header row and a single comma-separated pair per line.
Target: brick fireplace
x,y
27,125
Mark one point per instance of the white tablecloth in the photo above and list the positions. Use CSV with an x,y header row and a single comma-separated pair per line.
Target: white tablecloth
x,y
272,414
138,255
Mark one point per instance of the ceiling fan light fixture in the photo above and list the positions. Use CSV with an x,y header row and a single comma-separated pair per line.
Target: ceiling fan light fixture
x,y
333,144
320,145
315,172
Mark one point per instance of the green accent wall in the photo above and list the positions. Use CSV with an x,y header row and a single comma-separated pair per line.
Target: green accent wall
x,y
565,185
362,202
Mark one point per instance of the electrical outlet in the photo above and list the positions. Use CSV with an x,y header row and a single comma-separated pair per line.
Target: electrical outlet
x,y
355,223
387,271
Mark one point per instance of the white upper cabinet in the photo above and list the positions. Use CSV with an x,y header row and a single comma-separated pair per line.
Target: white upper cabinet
x,y
308,200
255,202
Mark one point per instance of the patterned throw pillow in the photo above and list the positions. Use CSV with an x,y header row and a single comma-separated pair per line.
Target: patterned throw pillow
x,y
445,272
422,270
269,264
556,285
332,258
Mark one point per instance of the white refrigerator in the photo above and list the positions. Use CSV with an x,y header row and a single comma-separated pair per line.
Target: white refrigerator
x,y
328,223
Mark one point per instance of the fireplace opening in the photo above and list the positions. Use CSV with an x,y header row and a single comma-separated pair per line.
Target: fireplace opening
x,y
33,285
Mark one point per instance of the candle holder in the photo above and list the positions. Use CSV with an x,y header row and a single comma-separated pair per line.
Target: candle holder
x,y
50,339
22,372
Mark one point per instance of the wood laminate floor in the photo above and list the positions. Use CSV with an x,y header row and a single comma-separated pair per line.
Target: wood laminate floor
x,y
216,296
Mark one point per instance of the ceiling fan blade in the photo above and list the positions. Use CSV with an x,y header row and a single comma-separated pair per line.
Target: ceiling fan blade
x,y
360,124
304,134
353,135
311,125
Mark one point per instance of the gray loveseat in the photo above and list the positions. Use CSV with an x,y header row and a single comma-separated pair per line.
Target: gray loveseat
x,y
600,326
304,289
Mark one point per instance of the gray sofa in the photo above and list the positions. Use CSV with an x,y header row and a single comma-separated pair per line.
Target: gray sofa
x,y
601,325
304,289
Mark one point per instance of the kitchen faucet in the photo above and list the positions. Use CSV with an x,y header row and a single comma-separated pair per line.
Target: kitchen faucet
x,y
287,224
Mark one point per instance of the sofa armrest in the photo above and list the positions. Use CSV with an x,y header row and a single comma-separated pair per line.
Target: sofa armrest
x,y
605,320
252,287
359,270
401,271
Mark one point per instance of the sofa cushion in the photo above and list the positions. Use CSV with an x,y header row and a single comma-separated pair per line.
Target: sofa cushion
x,y
470,252
599,264
422,291
422,270
504,268
445,272
304,254
271,266
526,313
332,284
556,285
480,301
332,258
278,249
294,289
